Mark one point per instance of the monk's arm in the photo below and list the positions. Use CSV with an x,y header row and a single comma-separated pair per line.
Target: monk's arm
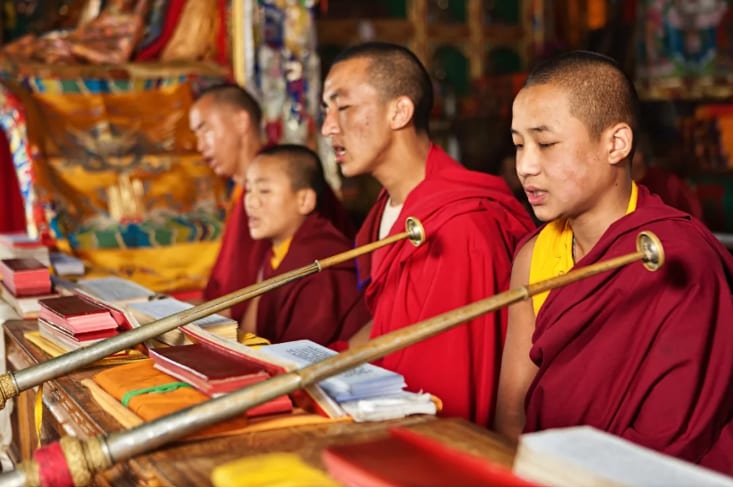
x,y
361,336
517,370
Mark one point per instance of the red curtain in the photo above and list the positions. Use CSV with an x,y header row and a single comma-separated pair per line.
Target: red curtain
x,y
12,216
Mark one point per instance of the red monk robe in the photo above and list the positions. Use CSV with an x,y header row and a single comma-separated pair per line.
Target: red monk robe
x,y
323,307
240,257
473,224
647,356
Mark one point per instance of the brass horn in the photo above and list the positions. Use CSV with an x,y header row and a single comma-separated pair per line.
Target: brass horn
x,y
13,383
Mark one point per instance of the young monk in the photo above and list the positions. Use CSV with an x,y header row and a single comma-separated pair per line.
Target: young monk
x,y
284,186
226,120
378,98
644,355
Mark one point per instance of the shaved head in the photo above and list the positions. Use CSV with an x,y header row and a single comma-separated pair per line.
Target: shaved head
x,y
302,165
600,93
396,71
234,96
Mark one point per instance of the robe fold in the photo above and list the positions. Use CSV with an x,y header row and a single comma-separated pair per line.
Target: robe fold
x,y
240,257
473,224
323,307
647,356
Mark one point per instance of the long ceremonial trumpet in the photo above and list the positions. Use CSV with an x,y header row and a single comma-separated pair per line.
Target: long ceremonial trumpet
x,y
13,383
83,458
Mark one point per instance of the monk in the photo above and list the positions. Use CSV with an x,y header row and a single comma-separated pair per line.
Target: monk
x,y
377,99
644,355
284,185
227,122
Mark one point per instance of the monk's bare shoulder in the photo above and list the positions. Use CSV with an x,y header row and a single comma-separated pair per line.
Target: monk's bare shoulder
x,y
522,262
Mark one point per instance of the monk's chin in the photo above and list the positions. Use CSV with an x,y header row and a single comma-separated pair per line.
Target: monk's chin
x,y
258,235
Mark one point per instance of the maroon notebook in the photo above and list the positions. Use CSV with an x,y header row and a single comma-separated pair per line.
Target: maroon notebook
x,y
76,314
406,458
206,369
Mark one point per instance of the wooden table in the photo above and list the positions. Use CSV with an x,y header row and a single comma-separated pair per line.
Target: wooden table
x,y
70,410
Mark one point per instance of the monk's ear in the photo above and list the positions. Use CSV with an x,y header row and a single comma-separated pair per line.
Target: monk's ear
x,y
307,201
401,112
620,141
242,121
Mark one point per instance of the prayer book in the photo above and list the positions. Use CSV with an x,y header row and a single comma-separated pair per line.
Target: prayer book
x,y
21,245
208,370
587,457
67,340
406,458
76,314
215,372
27,307
147,311
19,240
364,381
66,265
311,397
115,290
25,276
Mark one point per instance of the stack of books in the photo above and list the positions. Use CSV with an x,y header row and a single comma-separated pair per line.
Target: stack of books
x,y
24,282
214,372
361,382
366,392
21,245
25,276
141,313
72,322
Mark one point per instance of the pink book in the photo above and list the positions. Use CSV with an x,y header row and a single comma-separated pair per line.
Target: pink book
x,y
76,314
25,276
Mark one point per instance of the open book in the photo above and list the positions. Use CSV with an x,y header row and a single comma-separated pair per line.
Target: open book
x,y
147,311
115,290
583,456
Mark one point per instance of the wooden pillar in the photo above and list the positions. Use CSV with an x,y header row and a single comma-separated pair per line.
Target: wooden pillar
x,y
417,13
476,42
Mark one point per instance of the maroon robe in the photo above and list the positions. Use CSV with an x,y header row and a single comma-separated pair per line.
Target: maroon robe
x,y
323,307
473,223
647,356
240,257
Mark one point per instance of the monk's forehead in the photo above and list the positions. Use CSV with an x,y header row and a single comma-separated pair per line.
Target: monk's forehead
x,y
348,77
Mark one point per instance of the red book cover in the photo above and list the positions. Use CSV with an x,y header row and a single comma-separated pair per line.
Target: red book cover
x,y
406,458
199,365
76,314
25,276
213,372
